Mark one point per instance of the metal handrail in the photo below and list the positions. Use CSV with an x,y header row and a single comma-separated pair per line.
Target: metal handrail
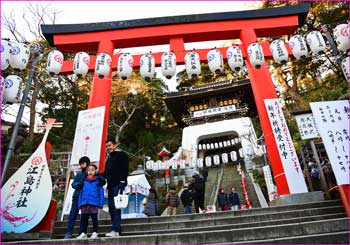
x,y
215,190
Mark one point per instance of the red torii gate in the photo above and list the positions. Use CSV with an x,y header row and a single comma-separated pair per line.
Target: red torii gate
x,y
177,30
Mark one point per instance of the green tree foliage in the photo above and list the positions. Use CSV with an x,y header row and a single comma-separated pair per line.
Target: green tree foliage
x,y
315,78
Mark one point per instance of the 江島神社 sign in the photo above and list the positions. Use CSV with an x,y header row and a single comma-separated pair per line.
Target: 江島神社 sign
x,y
26,196
333,122
288,156
307,126
88,136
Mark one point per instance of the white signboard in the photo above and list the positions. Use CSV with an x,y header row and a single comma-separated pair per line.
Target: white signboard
x,y
288,156
307,126
333,121
271,188
26,196
88,136
68,201
214,111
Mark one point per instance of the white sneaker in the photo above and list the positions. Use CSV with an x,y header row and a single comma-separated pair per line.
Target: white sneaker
x,y
94,235
82,236
112,234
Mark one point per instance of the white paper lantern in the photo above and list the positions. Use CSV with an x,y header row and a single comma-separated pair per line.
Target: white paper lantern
x,y
229,143
103,65
216,145
147,66
211,145
316,42
298,46
208,146
200,147
193,163
215,61
279,51
19,55
192,64
168,64
2,88
233,142
224,158
81,64
241,153
225,143
174,165
200,163
5,54
341,37
256,55
208,161
216,160
149,164
237,140
220,144
345,67
54,62
204,146
12,89
234,58
125,64
233,155
155,166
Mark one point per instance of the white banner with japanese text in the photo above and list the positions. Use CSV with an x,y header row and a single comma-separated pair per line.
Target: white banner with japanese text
x,y
26,196
88,136
307,126
333,121
288,156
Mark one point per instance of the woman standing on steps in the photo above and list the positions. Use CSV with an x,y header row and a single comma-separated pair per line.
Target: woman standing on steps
x,y
223,200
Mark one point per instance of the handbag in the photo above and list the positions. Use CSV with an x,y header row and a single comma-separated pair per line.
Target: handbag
x,y
121,201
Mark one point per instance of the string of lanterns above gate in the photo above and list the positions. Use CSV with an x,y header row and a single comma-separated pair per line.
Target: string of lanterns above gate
x,y
17,56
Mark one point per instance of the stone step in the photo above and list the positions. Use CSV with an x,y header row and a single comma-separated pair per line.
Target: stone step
x,y
325,238
210,225
219,236
217,215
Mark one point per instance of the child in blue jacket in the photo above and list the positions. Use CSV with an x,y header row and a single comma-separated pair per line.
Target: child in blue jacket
x,y
90,200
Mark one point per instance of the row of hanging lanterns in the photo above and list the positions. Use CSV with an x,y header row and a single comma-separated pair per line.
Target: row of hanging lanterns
x,y
199,162
218,145
17,56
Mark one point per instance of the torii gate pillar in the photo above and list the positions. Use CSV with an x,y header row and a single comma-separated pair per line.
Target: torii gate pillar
x,y
263,88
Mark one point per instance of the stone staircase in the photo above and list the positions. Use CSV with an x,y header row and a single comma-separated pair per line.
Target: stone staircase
x,y
316,222
232,178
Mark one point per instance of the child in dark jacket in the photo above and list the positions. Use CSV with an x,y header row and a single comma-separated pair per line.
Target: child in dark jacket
x,y
90,200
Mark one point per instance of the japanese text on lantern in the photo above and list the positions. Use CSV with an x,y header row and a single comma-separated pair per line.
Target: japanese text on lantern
x,y
332,119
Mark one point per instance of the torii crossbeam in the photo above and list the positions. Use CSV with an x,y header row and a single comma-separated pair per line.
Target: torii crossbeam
x,y
247,26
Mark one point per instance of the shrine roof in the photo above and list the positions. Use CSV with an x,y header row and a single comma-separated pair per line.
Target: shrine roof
x,y
300,10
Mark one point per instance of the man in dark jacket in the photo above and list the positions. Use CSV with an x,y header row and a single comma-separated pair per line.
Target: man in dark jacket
x,y
77,186
186,199
116,173
198,189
